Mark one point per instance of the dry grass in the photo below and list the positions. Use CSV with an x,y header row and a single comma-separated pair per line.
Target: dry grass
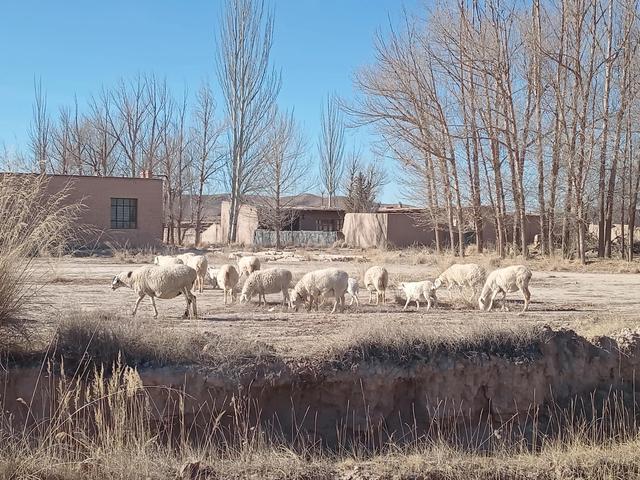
x,y
407,343
103,427
102,338
33,222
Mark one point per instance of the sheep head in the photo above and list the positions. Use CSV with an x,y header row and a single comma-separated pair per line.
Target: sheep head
x,y
123,279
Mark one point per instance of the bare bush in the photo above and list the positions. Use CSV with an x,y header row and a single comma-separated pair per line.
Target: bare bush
x,y
33,221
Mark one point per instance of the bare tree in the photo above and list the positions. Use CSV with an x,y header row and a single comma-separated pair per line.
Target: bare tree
x,y
285,175
40,130
331,148
362,184
206,160
250,87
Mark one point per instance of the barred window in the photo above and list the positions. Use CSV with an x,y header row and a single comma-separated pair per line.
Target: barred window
x,y
124,213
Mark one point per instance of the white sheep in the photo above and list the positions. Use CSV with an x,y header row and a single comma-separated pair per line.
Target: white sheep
x,y
271,280
166,260
352,289
166,281
212,276
469,275
376,279
319,283
227,279
248,265
506,280
199,263
419,291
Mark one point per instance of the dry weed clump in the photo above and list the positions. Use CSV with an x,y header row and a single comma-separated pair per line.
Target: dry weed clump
x,y
405,343
33,221
101,338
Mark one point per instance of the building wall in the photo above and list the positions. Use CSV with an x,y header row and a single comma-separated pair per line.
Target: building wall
x,y
403,231
247,224
95,193
365,230
308,219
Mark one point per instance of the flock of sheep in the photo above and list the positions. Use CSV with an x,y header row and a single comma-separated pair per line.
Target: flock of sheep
x,y
171,276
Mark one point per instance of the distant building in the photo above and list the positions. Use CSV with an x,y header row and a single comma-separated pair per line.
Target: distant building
x,y
313,222
117,210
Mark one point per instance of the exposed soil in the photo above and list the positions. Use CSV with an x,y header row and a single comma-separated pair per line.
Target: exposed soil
x,y
590,303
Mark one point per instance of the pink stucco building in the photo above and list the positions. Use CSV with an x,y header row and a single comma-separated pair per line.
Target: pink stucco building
x,y
125,212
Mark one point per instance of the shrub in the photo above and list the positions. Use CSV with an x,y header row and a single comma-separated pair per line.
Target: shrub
x,y
33,221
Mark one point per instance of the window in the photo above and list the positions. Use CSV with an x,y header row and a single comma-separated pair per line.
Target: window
x,y
124,213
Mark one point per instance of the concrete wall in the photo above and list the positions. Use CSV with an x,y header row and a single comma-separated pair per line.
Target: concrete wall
x,y
365,230
96,193
297,238
403,231
247,224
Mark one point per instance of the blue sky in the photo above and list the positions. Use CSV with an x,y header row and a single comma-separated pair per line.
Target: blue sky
x,y
75,46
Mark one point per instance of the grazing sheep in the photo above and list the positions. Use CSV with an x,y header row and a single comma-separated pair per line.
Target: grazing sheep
x,y
462,275
318,283
167,281
199,264
248,265
166,260
419,291
376,279
212,276
272,280
506,280
352,289
227,280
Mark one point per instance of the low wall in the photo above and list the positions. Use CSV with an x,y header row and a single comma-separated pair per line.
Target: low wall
x,y
267,238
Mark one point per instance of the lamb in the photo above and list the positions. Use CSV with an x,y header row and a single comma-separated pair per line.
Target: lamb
x,y
272,280
468,275
248,265
352,289
167,281
376,279
212,276
318,283
164,260
199,264
417,291
506,280
227,279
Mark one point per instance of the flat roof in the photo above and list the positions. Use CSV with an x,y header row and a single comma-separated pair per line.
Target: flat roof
x,y
82,176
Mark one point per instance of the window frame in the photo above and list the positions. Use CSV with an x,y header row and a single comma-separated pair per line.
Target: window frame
x,y
125,210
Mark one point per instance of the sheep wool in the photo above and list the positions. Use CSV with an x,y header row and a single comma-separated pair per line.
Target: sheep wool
x,y
272,280
506,280
419,291
164,282
227,280
318,283
376,280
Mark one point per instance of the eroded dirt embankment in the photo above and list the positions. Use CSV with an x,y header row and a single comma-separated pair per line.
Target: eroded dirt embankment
x,y
355,394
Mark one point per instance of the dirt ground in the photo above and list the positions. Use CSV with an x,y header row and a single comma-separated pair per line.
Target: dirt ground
x,y
591,303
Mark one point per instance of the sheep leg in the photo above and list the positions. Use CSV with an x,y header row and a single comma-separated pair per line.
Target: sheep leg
x,y
193,306
493,297
357,300
377,297
370,296
135,308
406,304
155,310
428,303
417,305
335,304
384,297
504,298
527,297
